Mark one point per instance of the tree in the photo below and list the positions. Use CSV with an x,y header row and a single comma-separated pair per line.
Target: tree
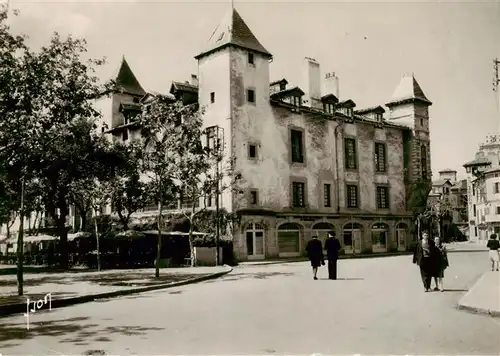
x,y
159,126
128,193
212,176
176,154
417,195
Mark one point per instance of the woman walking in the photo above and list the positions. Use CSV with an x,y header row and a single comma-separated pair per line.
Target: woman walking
x,y
424,257
314,250
440,264
493,245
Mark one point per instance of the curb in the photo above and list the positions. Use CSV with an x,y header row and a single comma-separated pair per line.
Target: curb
x,y
477,310
10,309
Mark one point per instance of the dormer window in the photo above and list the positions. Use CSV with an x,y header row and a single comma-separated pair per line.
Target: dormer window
x,y
378,116
329,108
295,100
282,86
349,111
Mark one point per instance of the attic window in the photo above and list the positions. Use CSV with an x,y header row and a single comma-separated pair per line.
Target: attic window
x,y
282,86
378,116
348,111
295,100
329,108
251,58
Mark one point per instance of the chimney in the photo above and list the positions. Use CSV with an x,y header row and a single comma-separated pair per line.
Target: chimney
x,y
312,83
194,79
331,84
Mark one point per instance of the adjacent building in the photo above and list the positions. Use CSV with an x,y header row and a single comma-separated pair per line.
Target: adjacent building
x,y
450,195
483,190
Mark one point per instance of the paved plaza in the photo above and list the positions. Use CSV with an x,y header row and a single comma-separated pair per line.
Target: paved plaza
x,y
378,307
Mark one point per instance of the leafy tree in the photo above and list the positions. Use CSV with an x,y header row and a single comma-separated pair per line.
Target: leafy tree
x,y
175,154
159,127
128,193
417,195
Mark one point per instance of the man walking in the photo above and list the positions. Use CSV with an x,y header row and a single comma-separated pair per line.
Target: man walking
x,y
315,253
332,247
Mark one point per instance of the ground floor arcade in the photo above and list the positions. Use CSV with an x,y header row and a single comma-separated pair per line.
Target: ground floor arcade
x,y
263,237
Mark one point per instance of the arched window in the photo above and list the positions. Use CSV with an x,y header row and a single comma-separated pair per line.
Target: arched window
x,y
352,237
322,229
379,236
255,240
289,239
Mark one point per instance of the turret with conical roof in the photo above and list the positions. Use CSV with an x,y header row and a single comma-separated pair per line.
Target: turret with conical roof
x,y
408,91
410,107
128,91
233,89
233,31
126,80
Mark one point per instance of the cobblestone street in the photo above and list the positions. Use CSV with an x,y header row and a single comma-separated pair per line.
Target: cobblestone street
x,y
378,307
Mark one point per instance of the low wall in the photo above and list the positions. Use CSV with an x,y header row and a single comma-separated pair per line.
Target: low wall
x,y
205,256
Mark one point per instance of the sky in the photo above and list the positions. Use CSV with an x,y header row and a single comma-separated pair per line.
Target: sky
x,y
449,46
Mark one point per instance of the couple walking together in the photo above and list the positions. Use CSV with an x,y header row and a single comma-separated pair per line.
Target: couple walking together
x,y
432,258
315,252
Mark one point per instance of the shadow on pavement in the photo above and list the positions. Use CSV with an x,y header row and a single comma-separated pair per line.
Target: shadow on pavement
x,y
109,279
75,331
343,279
257,275
455,290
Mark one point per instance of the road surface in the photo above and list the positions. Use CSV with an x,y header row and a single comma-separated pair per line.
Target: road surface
x,y
379,307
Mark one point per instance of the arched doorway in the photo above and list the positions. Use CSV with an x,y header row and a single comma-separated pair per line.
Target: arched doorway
x,y
322,229
289,240
352,238
401,235
255,241
379,237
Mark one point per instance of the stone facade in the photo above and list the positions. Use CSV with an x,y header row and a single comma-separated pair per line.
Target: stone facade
x,y
271,224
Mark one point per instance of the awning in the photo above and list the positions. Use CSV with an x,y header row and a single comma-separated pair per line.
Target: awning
x,y
39,238
173,233
78,235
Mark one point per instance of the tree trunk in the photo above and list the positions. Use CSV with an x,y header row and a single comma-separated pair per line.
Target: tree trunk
x,y
97,241
158,247
20,244
191,245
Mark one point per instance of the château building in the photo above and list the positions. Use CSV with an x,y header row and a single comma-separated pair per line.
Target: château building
x,y
311,163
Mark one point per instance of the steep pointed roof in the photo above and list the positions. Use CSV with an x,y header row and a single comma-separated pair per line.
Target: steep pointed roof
x,y
408,90
127,81
233,31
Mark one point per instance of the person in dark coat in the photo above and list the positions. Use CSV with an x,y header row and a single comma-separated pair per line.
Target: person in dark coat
x,y
441,263
332,247
425,257
314,250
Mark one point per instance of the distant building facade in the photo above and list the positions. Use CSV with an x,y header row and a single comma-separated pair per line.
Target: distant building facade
x,y
450,194
483,188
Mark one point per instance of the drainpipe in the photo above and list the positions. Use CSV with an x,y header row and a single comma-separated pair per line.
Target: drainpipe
x,y
340,125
